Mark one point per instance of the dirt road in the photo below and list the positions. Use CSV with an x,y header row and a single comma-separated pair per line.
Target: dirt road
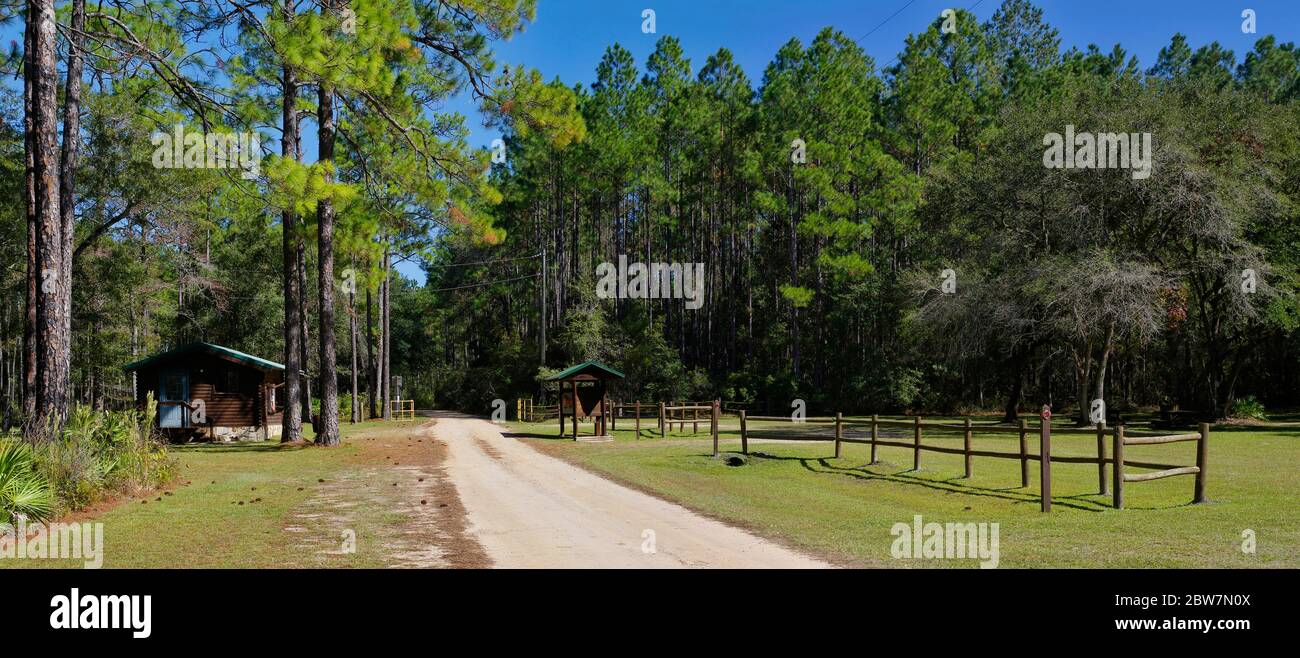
x,y
531,510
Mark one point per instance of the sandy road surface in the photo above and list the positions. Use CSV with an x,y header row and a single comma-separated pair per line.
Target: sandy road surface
x,y
530,510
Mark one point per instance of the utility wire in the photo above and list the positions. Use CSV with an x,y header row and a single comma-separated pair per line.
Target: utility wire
x,y
485,262
895,59
891,17
487,283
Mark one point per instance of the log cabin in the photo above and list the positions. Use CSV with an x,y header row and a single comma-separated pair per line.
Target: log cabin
x,y
211,392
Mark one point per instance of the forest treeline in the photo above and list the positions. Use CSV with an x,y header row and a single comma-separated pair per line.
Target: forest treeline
x,y
114,250
825,276
875,237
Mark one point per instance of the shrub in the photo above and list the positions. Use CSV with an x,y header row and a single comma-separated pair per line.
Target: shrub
x,y
102,452
23,489
1248,407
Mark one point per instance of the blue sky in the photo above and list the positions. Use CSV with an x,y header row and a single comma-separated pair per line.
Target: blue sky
x,y
569,36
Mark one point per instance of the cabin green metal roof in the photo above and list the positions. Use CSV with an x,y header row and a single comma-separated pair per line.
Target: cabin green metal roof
x,y
573,370
210,348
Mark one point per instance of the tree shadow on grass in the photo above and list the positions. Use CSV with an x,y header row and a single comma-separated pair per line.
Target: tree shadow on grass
x,y
536,435
822,466
219,448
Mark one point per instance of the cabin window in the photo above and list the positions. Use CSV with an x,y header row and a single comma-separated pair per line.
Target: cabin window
x,y
228,381
175,388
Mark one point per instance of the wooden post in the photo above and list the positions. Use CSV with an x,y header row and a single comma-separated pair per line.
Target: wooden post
x,y
1202,455
560,402
875,419
744,437
1045,463
713,426
638,419
695,416
1024,454
662,432
575,410
1117,470
967,447
1103,485
839,431
916,445
613,409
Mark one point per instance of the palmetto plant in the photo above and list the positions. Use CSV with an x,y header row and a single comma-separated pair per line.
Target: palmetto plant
x,y
23,489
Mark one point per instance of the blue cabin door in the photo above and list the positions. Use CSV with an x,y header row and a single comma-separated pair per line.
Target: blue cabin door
x,y
173,386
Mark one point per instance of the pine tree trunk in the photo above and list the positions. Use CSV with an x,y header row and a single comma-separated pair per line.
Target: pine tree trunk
x,y
352,326
372,370
385,344
327,433
304,342
68,161
291,418
52,341
31,331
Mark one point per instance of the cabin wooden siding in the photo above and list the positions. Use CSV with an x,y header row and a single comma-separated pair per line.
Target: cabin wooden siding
x,y
244,406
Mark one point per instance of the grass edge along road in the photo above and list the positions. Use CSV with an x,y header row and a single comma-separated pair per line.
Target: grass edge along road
x,y
798,493
266,505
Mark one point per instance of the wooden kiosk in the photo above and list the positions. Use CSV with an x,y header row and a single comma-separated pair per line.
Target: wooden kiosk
x,y
583,396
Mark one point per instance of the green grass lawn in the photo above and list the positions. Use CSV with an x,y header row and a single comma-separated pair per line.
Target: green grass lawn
x,y
201,522
844,508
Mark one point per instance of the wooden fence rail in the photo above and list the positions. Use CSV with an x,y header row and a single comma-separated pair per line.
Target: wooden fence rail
x,y
665,414
1044,456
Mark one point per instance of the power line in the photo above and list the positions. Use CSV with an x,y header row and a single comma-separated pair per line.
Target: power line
x,y
487,283
895,59
485,262
891,17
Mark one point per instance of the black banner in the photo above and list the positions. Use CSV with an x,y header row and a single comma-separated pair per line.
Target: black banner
x,y
332,607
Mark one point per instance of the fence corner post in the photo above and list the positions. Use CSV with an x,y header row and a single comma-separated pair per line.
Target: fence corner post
x,y
713,426
1045,463
1024,453
1117,469
916,445
839,431
744,436
875,420
662,430
1103,485
1202,456
966,447
638,419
